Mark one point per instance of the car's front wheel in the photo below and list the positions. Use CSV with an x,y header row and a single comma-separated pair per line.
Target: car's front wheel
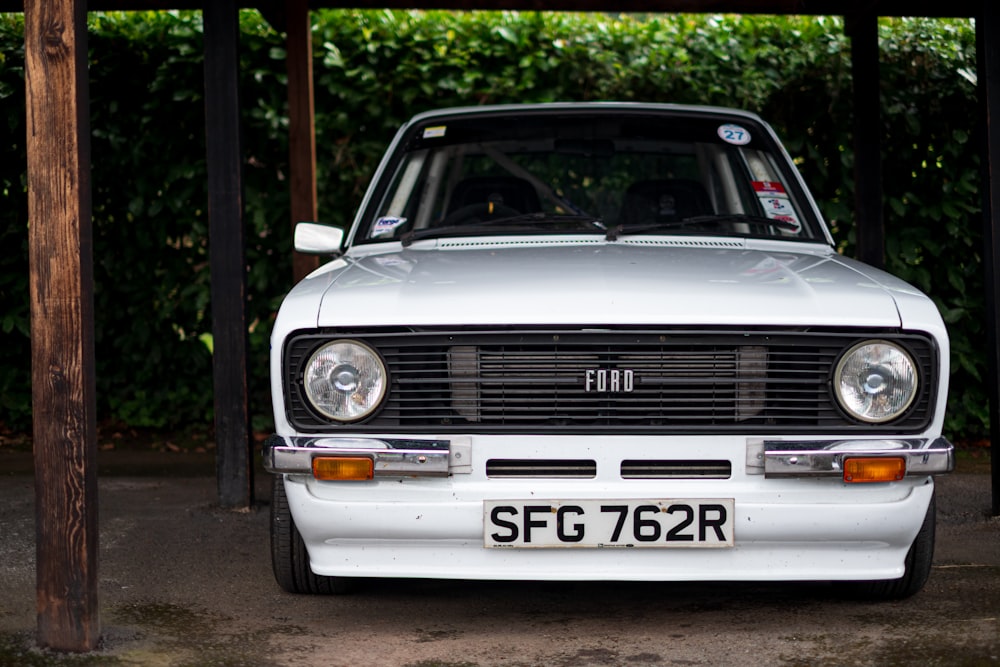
x,y
918,567
289,558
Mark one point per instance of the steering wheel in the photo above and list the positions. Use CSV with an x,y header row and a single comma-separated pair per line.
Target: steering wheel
x,y
482,211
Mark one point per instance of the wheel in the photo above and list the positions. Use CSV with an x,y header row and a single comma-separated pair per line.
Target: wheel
x,y
479,212
289,558
918,567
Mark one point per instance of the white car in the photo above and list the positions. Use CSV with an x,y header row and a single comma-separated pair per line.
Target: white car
x,y
601,341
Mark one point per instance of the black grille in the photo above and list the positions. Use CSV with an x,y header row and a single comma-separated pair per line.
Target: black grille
x,y
641,469
609,381
537,468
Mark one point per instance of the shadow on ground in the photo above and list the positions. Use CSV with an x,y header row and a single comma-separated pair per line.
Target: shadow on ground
x,y
184,583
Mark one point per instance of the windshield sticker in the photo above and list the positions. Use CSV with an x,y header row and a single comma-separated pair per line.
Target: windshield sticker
x,y
734,134
435,132
769,189
790,219
386,226
779,208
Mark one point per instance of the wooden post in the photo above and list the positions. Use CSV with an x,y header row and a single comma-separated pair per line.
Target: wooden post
x,y
227,254
988,48
863,31
301,126
62,323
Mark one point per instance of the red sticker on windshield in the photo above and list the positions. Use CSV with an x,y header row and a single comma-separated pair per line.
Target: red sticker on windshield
x,y
770,188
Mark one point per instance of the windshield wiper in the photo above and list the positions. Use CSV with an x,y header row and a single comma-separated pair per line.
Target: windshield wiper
x,y
514,223
538,216
487,227
742,218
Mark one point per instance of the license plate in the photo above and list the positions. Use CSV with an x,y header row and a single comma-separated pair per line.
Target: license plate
x,y
662,523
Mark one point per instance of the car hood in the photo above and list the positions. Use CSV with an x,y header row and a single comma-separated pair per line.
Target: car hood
x,y
600,284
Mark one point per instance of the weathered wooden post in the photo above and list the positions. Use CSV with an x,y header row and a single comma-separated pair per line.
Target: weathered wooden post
x,y
62,323
301,125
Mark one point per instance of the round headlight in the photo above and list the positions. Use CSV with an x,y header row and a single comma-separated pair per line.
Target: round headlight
x,y
345,380
875,381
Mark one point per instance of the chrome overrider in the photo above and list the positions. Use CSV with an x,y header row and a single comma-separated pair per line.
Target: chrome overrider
x,y
924,456
392,457
408,457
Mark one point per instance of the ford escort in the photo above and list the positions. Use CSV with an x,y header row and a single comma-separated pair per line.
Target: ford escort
x,y
601,341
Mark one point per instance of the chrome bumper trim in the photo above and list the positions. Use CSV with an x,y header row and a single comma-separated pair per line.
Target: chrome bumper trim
x,y
825,458
392,457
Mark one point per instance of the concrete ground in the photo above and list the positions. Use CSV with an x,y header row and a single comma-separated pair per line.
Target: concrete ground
x,y
183,583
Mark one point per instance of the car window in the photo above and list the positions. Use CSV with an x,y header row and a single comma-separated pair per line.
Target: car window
x,y
573,173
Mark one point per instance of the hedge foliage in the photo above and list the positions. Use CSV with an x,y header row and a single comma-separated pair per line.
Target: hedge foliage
x,y
375,69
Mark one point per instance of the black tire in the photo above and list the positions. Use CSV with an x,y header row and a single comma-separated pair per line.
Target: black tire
x,y
918,567
289,558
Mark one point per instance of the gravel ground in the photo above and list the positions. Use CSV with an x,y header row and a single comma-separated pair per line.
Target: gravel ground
x,y
185,583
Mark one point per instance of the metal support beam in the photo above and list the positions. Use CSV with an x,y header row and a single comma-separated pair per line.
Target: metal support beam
x,y
870,230
301,126
63,391
988,48
227,254
930,8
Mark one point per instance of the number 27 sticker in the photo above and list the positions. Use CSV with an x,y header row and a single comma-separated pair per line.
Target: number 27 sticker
x,y
734,134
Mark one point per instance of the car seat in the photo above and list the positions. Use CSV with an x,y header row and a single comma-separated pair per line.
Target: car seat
x,y
510,191
664,200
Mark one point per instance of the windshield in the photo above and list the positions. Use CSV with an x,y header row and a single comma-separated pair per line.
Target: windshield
x,y
611,172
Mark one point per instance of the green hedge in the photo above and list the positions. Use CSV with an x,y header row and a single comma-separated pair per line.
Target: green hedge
x,y
375,69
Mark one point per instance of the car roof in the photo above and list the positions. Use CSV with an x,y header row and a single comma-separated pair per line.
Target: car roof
x,y
585,107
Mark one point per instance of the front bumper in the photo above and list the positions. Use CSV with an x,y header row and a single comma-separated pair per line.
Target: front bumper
x,y
423,513
413,457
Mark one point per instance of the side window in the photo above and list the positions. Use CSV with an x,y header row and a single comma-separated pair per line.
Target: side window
x,y
414,197
392,216
773,195
723,172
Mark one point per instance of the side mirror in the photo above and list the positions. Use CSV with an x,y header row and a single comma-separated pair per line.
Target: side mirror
x,y
315,239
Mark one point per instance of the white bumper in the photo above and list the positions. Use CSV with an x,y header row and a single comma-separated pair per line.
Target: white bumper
x,y
785,528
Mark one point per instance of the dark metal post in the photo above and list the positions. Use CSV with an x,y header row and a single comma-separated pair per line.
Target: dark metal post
x,y
863,31
227,254
988,48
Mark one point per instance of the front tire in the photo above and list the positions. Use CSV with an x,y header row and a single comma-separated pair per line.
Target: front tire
x,y
917,564
289,558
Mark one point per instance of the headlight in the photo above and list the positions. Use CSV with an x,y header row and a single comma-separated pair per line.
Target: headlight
x,y
875,381
345,380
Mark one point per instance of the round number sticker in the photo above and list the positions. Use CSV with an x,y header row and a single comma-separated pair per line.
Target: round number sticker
x,y
734,134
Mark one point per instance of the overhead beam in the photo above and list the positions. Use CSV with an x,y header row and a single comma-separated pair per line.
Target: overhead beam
x,y
930,8
988,51
959,8
301,126
60,259
227,254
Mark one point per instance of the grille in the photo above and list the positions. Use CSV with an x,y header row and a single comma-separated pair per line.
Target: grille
x,y
535,468
587,469
676,469
609,381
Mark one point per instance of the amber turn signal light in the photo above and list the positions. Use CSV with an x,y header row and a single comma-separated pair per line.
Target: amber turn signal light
x,y
343,468
874,469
